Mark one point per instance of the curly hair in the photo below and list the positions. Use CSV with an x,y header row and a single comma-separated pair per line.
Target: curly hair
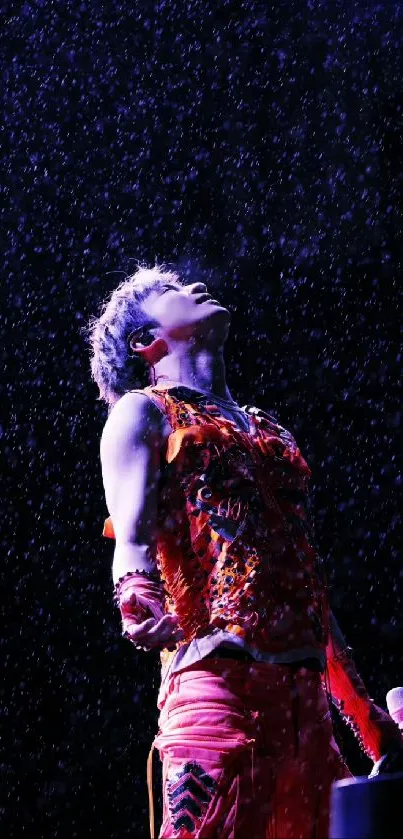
x,y
113,368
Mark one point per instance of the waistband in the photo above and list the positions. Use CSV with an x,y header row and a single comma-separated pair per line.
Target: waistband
x,y
229,652
311,663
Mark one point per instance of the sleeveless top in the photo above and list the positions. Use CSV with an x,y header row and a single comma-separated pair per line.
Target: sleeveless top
x,y
235,544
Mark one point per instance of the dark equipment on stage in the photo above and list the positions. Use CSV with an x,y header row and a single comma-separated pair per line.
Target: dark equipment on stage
x,y
367,808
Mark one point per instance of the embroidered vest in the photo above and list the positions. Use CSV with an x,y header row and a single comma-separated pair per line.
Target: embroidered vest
x,y
235,546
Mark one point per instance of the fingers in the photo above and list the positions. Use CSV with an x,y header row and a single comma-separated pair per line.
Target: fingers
x,y
166,630
135,632
152,634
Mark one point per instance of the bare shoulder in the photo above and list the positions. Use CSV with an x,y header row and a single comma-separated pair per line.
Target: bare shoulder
x,y
133,419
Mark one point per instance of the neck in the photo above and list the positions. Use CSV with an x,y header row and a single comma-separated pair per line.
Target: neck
x,y
201,369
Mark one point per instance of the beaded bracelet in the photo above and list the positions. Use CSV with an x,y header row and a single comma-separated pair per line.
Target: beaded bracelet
x,y
154,578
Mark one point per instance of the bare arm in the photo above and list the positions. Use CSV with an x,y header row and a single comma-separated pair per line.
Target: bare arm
x,y
130,458
130,452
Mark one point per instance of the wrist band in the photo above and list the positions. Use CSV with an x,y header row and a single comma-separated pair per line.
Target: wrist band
x,y
146,574
139,596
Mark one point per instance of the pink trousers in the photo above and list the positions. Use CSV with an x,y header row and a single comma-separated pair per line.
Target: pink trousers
x,y
248,753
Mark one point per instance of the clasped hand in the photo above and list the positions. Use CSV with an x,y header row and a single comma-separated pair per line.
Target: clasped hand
x,y
153,634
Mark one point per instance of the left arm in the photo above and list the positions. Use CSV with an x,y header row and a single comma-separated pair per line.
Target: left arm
x,y
378,734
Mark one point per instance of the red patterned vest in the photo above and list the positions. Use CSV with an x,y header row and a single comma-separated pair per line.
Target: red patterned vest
x,y
235,545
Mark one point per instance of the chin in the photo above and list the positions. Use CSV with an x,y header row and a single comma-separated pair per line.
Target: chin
x,y
215,305
214,323
217,314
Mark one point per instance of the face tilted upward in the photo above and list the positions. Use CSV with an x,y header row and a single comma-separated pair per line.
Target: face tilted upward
x,y
187,311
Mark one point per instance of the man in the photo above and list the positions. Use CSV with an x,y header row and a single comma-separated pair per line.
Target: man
x,y
215,565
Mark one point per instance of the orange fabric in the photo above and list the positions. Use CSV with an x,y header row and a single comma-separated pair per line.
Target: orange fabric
x,y
108,530
235,548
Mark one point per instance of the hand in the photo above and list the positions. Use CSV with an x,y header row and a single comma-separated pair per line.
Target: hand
x,y
391,761
152,634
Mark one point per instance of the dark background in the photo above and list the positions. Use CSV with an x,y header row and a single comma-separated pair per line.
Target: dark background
x,y
258,147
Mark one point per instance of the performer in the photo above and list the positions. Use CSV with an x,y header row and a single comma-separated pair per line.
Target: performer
x,y
216,566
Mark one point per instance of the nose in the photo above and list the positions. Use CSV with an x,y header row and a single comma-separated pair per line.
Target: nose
x,y
194,288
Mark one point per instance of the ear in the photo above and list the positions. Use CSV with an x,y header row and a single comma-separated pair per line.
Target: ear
x,y
153,353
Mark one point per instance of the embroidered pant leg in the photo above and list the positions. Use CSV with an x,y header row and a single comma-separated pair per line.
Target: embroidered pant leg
x,y
307,761
247,753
